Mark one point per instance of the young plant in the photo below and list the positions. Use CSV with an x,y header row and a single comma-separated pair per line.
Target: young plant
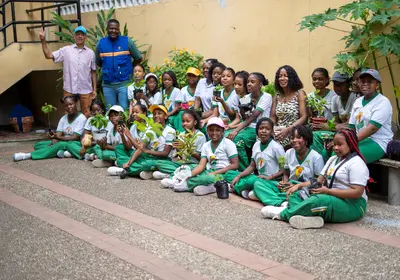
x,y
47,109
186,142
149,128
281,162
99,121
316,104
218,88
332,124
218,178
270,88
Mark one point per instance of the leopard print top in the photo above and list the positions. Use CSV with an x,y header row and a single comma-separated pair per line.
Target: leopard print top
x,y
287,113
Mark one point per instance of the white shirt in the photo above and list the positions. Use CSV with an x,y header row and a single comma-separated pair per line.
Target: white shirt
x,y
172,99
156,99
352,172
113,137
232,101
77,126
131,91
187,97
266,157
219,157
92,128
343,111
305,170
377,111
264,105
167,137
205,92
328,107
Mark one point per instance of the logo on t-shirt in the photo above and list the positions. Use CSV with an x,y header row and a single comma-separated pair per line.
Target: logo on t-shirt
x,y
213,160
261,167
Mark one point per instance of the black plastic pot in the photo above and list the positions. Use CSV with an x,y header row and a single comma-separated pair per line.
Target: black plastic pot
x,y
222,189
217,93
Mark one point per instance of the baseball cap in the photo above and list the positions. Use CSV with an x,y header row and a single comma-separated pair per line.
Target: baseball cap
x,y
80,29
373,73
161,107
194,71
115,108
215,121
337,77
150,75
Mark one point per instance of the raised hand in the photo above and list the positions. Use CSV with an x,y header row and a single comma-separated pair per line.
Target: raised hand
x,y
42,34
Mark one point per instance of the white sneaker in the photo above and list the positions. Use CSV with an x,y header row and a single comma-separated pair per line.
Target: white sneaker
x,y
284,204
252,196
101,163
114,171
89,157
21,156
272,212
67,154
167,183
146,175
181,187
159,175
245,194
204,190
302,222
60,154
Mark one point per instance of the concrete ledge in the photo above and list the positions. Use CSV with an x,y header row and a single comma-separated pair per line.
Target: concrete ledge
x,y
388,162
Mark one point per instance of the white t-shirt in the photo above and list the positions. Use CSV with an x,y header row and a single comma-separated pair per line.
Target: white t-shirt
x,y
377,111
328,107
156,99
343,111
303,171
77,126
205,92
264,105
172,99
92,128
352,172
266,157
232,101
167,137
187,97
219,158
131,91
113,138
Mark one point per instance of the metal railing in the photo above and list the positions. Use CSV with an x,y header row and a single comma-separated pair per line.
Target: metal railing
x,y
33,24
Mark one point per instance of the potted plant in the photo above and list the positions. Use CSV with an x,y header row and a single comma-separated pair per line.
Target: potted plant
x,y
100,122
47,109
218,90
221,187
185,142
281,163
149,129
138,88
316,106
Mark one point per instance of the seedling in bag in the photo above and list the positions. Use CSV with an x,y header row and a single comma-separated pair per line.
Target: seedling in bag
x,y
186,145
100,122
47,109
149,129
218,90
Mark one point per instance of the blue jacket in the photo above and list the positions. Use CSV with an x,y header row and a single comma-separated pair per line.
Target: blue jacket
x,y
116,59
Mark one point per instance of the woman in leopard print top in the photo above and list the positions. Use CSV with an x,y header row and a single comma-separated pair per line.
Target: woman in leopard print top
x,y
289,107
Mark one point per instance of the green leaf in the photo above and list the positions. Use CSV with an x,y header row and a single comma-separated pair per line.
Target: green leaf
x,y
380,18
396,91
387,44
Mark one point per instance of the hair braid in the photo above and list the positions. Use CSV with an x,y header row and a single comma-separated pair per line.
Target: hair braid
x,y
351,140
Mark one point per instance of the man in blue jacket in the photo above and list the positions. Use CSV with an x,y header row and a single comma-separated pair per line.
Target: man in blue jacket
x,y
114,55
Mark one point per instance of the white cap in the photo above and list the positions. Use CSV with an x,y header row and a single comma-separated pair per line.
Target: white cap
x,y
115,108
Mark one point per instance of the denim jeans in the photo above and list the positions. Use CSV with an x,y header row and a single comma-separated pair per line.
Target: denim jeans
x,y
116,96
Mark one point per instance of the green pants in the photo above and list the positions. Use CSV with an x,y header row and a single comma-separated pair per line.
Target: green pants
x,y
370,150
169,166
176,121
268,192
318,143
203,179
107,155
330,208
44,151
74,147
245,183
244,142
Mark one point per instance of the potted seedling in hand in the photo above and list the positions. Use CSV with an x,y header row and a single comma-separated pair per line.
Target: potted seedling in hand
x,y
317,106
47,109
185,146
283,186
221,186
100,122
149,128
138,90
218,90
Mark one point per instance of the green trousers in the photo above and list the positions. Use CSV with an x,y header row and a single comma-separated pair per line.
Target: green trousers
x,y
107,155
203,179
370,150
245,183
330,208
169,166
176,121
44,151
244,142
74,147
144,163
318,143
268,192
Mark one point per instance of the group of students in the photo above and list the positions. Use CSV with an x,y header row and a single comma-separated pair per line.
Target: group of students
x,y
262,145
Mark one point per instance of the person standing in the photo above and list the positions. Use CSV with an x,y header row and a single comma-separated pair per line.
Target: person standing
x,y
114,55
79,69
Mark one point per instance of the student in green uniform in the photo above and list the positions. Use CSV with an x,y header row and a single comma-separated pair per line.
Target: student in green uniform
x,y
105,149
218,156
341,197
69,130
265,159
244,136
172,99
302,164
187,92
240,85
371,117
191,123
144,158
